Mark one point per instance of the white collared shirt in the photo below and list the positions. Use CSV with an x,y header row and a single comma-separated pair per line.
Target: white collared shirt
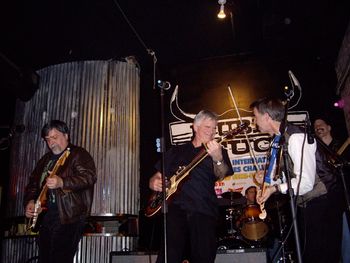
x,y
308,169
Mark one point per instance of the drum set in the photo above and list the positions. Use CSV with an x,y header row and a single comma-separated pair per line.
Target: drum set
x,y
240,225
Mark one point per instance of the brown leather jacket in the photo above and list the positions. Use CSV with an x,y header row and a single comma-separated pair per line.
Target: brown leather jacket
x,y
79,176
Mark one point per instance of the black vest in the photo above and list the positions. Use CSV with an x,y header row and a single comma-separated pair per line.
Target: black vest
x,y
325,180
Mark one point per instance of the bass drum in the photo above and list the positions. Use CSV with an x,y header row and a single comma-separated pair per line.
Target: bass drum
x,y
253,228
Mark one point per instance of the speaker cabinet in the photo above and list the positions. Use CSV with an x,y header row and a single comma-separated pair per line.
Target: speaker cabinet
x,y
132,257
223,256
241,255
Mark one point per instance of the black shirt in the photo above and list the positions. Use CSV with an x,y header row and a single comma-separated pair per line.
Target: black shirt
x,y
196,192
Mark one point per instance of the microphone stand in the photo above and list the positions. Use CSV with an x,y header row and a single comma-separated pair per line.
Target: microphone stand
x,y
162,150
289,183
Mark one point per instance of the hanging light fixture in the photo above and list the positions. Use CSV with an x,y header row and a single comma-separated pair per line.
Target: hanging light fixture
x,y
222,14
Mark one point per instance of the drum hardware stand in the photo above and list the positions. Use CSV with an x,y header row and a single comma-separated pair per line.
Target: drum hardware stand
x,y
279,250
229,217
280,241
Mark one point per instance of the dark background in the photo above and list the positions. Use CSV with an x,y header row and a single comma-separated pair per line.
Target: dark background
x,y
252,52
257,47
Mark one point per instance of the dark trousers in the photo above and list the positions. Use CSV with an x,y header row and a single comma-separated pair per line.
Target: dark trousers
x,y
57,242
190,236
320,229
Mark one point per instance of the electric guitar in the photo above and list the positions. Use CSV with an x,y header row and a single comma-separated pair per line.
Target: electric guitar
x,y
40,204
156,199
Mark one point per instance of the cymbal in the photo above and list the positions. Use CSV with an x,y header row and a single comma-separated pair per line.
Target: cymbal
x,y
232,195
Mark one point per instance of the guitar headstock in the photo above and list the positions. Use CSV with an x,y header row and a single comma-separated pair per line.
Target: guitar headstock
x,y
64,156
240,128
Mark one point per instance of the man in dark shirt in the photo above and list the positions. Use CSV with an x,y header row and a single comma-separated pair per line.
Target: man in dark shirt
x,y
192,214
323,132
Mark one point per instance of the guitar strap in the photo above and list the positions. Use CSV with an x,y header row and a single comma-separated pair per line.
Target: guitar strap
x,y
272,160
45,172
49,166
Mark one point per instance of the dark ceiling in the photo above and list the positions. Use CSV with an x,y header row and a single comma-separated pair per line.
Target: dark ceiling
x,y
35,34
40,33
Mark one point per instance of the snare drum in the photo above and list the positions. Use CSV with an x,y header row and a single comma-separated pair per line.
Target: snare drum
x,y
253,228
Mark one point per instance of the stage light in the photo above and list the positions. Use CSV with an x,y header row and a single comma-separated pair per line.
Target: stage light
x,y
222,14
339,104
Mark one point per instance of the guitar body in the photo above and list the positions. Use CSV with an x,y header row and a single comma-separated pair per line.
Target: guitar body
x,y
39,213
156,200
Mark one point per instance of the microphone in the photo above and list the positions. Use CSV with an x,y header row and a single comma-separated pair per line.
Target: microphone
x,y
294,80
165,85
310,137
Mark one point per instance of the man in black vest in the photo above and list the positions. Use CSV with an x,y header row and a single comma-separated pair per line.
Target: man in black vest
x,y
313,182
323,130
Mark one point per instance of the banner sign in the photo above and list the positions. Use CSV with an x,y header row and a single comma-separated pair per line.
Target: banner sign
x,y
237,148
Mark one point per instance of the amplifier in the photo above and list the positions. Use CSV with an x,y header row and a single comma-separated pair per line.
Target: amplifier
x,y
222,256
251,255
132,257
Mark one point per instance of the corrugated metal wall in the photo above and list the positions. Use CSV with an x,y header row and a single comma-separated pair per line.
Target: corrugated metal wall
x,y
99,100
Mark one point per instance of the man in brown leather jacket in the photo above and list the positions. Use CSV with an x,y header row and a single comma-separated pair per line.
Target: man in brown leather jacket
x,y
68,199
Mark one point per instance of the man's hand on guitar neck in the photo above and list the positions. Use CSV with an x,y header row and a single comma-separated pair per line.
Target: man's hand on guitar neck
x,y
268,191
259,177
214,149
54,182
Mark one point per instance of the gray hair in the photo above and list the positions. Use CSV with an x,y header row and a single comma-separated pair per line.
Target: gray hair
x,y
272,106
205,114
54,124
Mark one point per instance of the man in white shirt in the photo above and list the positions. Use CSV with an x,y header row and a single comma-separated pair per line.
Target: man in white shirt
x,y
311,179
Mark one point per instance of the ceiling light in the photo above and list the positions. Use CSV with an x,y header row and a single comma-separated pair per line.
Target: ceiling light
x,y
222,14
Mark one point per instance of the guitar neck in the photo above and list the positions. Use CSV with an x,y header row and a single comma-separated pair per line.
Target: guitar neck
x,y
42,196
203,152
60,162
199,157
344,146
54,170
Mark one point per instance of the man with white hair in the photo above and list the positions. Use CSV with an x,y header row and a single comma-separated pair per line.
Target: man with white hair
x,y
192,214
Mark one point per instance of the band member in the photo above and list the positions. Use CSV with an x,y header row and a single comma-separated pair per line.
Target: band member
x,y
250,195
69,195
192,214
323,131
312,180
